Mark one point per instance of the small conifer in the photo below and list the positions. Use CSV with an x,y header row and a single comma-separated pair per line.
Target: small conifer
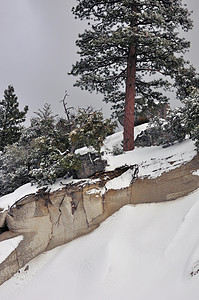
x,y
10,118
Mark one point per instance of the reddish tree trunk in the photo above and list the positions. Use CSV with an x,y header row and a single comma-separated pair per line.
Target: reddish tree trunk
x,y
128,142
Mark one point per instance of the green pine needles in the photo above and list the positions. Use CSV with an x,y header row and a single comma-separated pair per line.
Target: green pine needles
x,y
127,44
10,118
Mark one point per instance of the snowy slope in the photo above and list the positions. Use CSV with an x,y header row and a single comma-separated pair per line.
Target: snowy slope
x,y
8,246
143,252
152,161
148,251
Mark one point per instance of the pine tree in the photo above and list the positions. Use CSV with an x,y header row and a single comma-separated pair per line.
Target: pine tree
x,y
13,168
44,121
164,132
191,116
127,40
90,129
10,118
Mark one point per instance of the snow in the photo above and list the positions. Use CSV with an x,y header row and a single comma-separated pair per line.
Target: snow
x,y
122,181
119,182
94,191
8,246
27,189
85,150
152,161
147,251
9,199
196,173
115,139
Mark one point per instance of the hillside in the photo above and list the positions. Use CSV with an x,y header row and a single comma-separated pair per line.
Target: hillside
x,y
152,162
148,251
145,251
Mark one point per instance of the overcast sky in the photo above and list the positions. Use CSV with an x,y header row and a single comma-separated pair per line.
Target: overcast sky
x,y
37,49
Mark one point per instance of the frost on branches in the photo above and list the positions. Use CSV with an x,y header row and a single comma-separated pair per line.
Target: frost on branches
x,y
191,116
46,149
10,118
179,123
126,44
163,131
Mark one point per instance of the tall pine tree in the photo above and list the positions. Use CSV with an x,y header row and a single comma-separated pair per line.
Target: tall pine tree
x,y
127,41
10,118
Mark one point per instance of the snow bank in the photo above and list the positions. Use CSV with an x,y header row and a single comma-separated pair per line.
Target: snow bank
x,y
8,246
116,139
153,161
148,251
9,199
118,183
122,181
27,189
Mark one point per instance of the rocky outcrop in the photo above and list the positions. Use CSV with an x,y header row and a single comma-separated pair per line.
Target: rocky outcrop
x,y
46,220
91,162
158,135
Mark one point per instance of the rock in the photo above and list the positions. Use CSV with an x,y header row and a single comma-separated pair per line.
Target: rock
x,y
150,137
3,215
47,220
158,135
91,163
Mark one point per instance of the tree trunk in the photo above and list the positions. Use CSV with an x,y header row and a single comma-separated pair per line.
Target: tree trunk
x,y
128,141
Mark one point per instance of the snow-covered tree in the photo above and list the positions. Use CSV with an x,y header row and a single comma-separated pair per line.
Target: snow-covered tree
x,y
13,168
45,150
47,162
191,116
164,132
53,156
127,40
89,128
10,118
174,126
44,121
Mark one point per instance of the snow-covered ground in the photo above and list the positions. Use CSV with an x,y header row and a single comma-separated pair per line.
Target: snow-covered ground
x,y
143,252
148,251
8,246
152,161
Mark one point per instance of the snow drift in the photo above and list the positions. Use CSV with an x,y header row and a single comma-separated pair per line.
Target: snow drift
x,y
148,251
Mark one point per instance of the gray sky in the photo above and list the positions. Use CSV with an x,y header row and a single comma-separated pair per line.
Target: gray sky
x,y
37,39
